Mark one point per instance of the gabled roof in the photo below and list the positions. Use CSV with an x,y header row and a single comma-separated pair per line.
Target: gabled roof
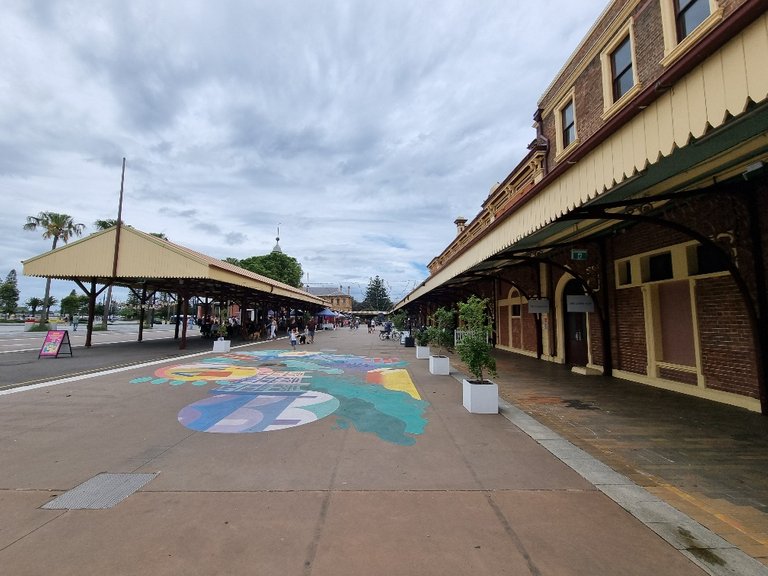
x,y
158,264
325,291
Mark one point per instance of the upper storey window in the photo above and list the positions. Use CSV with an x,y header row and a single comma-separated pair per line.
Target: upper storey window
x,y
688,15
685,22
621,65
619,69
569,124
566,135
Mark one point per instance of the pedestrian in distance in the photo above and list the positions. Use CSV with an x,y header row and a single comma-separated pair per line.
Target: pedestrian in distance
x,y
294,335
311,326
75,322
273,329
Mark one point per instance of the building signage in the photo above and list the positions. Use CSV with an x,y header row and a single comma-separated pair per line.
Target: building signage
x,y
579,303
579,254
538,306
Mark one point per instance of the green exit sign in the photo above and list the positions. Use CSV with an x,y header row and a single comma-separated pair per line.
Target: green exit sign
x,y
578,254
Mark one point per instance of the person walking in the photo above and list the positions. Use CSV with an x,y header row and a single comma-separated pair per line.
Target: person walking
x,y
273,329
294,335
311,326
75,322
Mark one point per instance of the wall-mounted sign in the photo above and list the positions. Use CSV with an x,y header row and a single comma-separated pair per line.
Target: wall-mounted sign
x,y
579,303
56,342
579,254
538,306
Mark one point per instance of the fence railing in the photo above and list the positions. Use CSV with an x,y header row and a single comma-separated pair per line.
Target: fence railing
x,y
458,336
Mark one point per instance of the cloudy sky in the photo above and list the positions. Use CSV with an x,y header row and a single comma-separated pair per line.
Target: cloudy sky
x,y
361,128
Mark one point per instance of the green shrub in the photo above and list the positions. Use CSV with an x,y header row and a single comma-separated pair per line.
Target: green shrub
x,y
474,348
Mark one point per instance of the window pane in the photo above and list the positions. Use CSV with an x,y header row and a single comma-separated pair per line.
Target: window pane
x,y
622,57
569,127
660,267
690,14
622,84
568,115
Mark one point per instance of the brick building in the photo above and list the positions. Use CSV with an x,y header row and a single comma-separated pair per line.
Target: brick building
x,y
631,239
335,298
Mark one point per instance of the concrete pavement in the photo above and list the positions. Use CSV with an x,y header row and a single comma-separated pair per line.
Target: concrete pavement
x,y
399,480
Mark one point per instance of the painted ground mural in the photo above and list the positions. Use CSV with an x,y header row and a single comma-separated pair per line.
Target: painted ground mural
x,y
266,390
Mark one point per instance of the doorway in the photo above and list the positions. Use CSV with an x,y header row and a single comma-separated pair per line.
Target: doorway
x,y
575,328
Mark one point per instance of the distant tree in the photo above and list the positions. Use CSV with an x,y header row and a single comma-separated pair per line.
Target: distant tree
x,y
105,224
73,304
9,294
49,302
34,303
56,226
275,265
376,296
160,235
234,261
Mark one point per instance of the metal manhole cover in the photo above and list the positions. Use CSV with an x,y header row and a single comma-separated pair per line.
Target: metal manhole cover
x,y
100,492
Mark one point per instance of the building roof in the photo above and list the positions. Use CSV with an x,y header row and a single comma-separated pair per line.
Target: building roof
x,y
325,291
146,261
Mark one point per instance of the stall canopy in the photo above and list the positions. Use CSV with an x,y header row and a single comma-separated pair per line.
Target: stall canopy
x,y
127,257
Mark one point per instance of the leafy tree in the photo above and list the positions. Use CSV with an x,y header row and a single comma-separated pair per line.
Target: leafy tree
x,y
56,226
474,348
441,330
275,265
376,296
34,303
73,304
9,293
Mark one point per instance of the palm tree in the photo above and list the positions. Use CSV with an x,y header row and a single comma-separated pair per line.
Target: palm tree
x,y
34,303
56,226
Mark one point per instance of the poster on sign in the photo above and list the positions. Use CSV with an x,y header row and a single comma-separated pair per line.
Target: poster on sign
x,y
56,343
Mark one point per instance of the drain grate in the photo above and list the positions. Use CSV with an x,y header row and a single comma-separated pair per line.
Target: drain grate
x,y
100,492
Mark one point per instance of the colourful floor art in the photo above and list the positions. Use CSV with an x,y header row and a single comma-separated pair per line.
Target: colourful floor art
x,y
266,390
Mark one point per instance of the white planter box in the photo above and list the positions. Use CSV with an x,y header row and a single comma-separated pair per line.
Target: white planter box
x,y
422,352
440,365
481,398
221,345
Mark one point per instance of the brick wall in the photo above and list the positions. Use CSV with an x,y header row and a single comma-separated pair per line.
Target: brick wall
x,y
529,330
629,325
649,51
727,352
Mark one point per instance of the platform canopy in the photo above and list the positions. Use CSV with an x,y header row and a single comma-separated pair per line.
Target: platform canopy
x,y
143,262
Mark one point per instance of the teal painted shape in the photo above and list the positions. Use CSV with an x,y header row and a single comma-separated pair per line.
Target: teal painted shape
x,y
159,380
176,382
305,366
141,380
365,417
199,383
324,409
390,414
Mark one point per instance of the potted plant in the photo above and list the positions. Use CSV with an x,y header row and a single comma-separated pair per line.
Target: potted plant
x,y
441,334
222,344
480,396
422,343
